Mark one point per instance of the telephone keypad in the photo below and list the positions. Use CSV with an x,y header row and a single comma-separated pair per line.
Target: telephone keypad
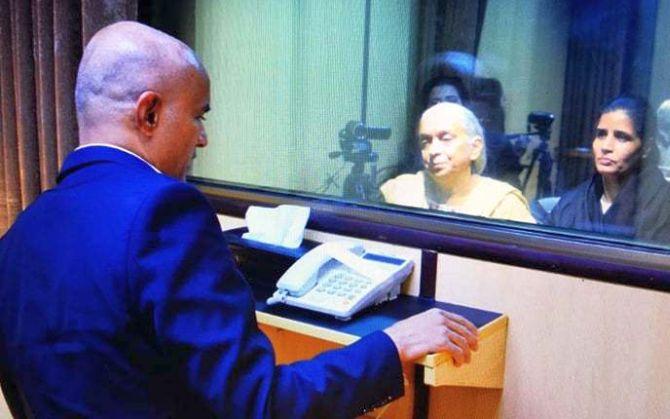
x,y
341,288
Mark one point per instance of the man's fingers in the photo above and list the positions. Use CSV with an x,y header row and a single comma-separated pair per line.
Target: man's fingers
x,y
465,332
461,320
456,353
462,343
433,331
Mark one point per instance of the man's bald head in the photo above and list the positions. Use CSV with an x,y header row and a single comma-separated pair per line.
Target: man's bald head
x,y
144,91
123,60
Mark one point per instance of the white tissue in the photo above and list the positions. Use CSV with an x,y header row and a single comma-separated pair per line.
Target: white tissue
x,y
282,226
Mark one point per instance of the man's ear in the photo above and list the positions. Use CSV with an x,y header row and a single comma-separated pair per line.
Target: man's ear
x,y
477,146
147,112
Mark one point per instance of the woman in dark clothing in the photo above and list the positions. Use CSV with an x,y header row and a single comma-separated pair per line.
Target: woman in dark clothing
x,y
627,196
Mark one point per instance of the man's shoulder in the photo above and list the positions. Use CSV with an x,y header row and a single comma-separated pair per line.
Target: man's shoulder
x,y
107,197
164,188
148,183
119,178
160,196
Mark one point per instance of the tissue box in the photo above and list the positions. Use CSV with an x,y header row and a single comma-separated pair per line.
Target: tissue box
x,y
281,226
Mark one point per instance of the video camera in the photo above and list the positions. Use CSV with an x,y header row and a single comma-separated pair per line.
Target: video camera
x,y
355,147
540,122
355,144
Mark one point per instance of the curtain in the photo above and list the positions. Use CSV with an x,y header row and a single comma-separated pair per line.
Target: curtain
x,y
41,42
610,50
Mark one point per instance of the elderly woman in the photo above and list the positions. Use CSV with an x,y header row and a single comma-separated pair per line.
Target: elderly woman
x,y
453,154
627,196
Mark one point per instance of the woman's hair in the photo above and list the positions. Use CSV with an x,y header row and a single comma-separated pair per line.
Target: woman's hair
x,y
474,129
444,80
634,107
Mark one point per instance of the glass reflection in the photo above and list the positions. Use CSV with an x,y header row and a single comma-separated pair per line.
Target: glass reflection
x,y
453,153
663,138
300,83
627,195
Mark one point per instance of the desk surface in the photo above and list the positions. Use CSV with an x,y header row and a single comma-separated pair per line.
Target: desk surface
x,y
263,264
263,279
368,321
363,323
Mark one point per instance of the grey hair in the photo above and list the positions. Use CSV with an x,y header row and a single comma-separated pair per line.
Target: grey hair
x,y
471,125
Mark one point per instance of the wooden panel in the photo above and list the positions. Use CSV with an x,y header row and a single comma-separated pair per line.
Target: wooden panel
x,y
290,347
465,403
301,328
576,348
486,368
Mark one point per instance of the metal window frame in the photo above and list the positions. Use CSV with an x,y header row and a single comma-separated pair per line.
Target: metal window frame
x,y
535,247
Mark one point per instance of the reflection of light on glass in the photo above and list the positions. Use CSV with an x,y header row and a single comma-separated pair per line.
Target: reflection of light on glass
x,y
461,62
663,138
666,172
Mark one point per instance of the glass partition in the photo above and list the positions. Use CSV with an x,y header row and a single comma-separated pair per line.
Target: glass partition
x,y
550,114
289,77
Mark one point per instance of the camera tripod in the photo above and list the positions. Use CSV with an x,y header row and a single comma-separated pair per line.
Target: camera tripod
x,y
538,124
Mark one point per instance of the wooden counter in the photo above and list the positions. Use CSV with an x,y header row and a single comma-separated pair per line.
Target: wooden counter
x,y
298,334
486,368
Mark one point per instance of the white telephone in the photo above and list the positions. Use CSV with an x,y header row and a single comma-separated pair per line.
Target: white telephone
x,y
340,278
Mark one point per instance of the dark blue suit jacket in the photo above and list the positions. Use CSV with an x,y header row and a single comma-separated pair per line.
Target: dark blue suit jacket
x,y
120,299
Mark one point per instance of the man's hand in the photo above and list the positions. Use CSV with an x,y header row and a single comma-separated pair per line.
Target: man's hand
x,y
434,330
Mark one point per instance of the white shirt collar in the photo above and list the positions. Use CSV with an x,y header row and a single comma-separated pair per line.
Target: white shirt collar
x,y
120,149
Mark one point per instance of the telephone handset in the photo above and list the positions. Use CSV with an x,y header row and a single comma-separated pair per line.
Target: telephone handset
x,y
302,276
341,278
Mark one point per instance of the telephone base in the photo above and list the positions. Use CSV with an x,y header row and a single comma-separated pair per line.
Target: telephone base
x,y
341,279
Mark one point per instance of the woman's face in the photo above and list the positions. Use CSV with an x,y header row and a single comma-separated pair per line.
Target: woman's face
x,y
447,149
616,146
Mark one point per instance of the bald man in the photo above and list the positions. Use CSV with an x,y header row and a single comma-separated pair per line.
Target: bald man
x,y
119,295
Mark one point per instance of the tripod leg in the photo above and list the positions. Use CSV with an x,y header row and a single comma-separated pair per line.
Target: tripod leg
x,y
531,165
544,175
